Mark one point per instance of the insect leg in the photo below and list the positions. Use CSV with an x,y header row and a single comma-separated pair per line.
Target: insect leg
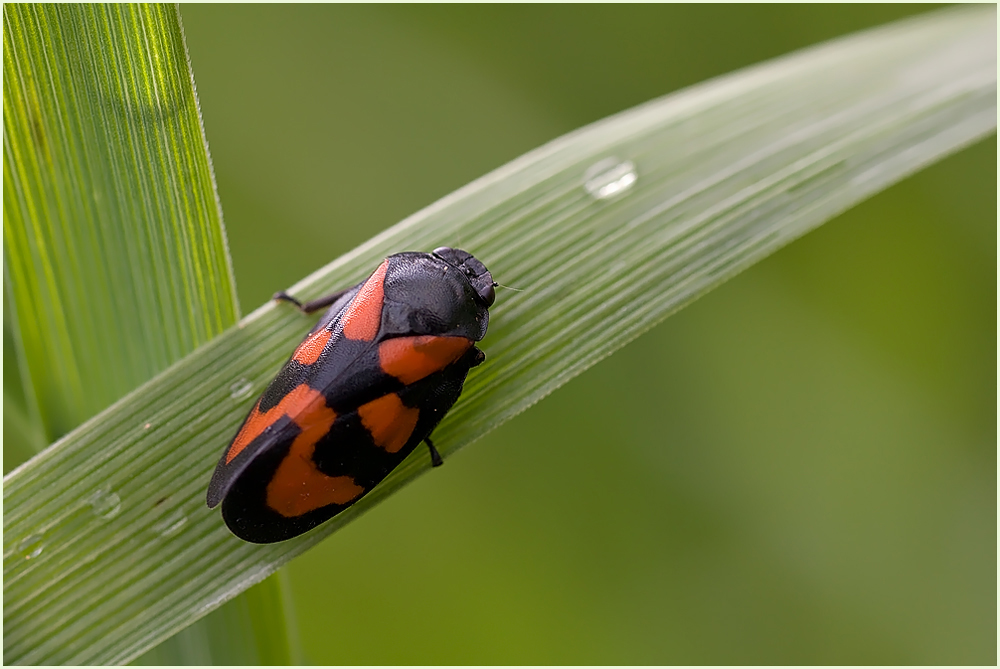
x,y
436,460
314,305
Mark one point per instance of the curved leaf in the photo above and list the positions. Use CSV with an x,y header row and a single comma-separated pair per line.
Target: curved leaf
x,y
604,232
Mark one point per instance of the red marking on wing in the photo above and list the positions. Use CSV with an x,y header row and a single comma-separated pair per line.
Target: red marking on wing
x,y
309,351
298,486
390,421
410,359
295,402
363,316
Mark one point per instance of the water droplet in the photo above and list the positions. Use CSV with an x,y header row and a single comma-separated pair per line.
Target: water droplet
x,y
240,389
609,177
105,504
31,546
171,524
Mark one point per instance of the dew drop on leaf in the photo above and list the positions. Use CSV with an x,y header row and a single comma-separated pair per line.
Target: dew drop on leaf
x,y
609,177
240,389
31,546
105,504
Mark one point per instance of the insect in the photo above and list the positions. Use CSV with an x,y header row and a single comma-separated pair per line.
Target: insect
x,y
370,382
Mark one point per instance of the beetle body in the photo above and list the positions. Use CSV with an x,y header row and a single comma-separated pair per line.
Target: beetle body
x,y
370,382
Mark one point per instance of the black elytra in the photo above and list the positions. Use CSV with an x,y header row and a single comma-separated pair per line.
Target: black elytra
x,y
370,382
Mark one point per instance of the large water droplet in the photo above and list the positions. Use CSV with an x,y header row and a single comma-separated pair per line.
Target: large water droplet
x,y
609,177
31,546
171,524
240,388
105,504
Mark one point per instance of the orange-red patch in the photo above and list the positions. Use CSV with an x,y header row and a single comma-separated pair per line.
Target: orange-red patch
x,y
302,400
410,359
363,315
309,351
390,421
298,486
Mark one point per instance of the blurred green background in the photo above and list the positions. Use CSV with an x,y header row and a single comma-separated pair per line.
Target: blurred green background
x,y
799,468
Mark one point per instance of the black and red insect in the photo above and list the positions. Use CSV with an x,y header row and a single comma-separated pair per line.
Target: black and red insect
x,y
369,383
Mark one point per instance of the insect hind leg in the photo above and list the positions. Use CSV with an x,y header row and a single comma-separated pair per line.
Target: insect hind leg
x,y
436,460
314,305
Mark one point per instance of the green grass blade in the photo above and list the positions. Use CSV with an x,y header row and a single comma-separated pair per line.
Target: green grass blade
x,y
114,249
727,172
22,435
247,630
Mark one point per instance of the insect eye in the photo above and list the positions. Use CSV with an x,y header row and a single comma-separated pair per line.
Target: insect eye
x,y
489,295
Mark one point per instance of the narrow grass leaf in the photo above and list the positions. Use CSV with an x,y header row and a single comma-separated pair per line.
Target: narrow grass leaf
x,y
604,232
114,250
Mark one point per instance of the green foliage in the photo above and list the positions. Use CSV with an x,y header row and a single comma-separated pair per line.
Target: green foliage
x,y
725,172
114,251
